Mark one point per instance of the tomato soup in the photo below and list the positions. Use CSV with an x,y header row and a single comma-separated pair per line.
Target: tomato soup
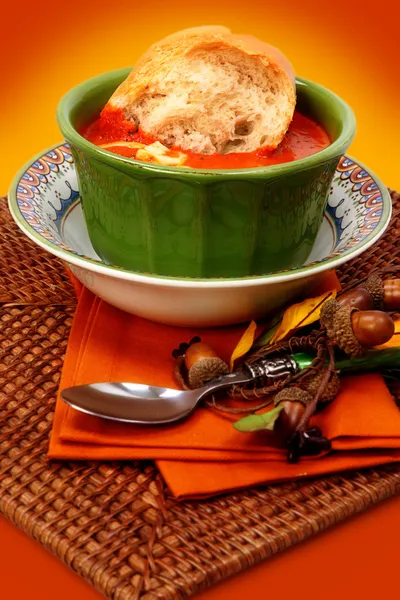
x,y
303,138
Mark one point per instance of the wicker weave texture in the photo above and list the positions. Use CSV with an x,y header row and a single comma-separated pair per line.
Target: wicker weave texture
x,y
115,523
27,276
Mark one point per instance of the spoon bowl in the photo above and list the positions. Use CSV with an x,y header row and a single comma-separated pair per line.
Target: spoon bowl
x,y
142,404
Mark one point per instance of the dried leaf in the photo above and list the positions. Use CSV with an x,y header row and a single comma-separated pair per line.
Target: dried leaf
x,y
301,314
269,331
244,344
252,423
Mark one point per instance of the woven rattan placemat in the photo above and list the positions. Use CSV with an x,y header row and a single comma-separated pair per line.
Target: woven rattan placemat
x,y
115,523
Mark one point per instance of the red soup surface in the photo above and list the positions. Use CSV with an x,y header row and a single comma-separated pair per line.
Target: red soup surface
x,y
303,138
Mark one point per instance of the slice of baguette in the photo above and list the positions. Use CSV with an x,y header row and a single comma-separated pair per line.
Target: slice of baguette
x,y
207,90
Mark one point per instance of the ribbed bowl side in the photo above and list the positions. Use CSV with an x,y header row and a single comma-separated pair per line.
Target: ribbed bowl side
x,y
169,225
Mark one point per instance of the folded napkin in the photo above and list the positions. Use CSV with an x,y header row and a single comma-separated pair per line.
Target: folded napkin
x,y
204,454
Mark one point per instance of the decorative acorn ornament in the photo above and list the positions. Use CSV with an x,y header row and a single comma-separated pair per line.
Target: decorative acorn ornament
x,y
353,330
372,327
201,361
391,298
385,292
374,285
301,441
293,402
357,298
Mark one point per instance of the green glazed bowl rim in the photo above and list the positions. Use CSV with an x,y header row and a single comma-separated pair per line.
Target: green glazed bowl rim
x,y
336,148
114,271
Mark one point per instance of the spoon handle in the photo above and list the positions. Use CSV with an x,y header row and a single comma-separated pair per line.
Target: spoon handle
x,y
272,368
268,369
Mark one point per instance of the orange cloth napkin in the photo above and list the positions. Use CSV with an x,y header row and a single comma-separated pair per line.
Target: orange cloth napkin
x,y
203,455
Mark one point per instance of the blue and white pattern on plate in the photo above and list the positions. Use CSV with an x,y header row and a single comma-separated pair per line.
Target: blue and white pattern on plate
x,y
48,200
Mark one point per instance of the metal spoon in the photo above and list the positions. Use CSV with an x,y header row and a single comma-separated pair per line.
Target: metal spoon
x,y
151,405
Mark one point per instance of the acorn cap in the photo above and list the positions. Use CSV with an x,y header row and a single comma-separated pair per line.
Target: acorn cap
x,y
374,285
330,391
337,321
328,311
205,370
292,394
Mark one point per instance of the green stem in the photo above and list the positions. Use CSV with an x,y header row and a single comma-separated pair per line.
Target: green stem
x,y
374,360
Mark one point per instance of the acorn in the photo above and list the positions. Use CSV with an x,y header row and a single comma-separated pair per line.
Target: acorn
x,y
353,330
203,364
337,321
357,298
300,443
372,327
292,394
386,293
294,401
375,286
391,298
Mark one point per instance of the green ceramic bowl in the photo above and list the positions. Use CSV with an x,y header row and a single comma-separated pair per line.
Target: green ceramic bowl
x,y
184,222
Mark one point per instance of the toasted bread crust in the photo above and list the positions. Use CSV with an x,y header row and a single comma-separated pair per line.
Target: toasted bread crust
x,y
152,69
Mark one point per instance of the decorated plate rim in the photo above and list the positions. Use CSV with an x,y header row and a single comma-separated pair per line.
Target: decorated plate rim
x,y
69,256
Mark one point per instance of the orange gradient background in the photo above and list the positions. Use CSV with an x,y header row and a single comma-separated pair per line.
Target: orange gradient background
x,y
48,47
351,47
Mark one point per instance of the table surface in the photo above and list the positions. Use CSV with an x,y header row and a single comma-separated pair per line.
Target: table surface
x,y
356,559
